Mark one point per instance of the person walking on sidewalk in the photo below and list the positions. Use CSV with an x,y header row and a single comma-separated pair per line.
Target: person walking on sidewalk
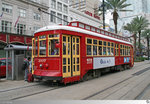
x,y
27,68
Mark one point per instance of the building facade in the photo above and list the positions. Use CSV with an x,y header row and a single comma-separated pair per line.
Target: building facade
x,y
76,15
59,10
18,21
89,7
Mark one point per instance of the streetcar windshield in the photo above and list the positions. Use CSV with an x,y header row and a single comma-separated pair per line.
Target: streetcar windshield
x,y
44,44
53,42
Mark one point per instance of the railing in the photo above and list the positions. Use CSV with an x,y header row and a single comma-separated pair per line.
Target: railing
x,y
15,30
97,30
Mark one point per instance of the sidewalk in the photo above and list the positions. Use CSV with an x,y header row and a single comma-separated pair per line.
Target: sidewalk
x,y
12,84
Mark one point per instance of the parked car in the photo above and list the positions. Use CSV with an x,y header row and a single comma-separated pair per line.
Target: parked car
x,y
2,67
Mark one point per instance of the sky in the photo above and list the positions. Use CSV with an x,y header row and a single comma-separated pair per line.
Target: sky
x,y
108,16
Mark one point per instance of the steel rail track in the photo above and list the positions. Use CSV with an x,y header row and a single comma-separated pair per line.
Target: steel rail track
x,y
101,91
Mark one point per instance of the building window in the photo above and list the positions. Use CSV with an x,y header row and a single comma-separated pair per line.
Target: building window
x,y
22,13
53,16
6,8
37,16
59,6
6,26
59,19
82,2
66,1
36,28
65,9
76,3
53,4
65,20
21,29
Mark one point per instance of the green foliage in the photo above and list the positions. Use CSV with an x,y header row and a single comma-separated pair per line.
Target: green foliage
x,y
139,59
141,22
145,33
116,6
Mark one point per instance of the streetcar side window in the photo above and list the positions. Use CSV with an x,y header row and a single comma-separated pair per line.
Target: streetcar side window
x,y
116,49
89,47
95,47
100,48
53,41
105,48
35,46
42,45
112,49
108,49
121,50
129,50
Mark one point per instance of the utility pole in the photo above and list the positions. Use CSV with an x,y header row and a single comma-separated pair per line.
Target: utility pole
x,y
103,5
148,44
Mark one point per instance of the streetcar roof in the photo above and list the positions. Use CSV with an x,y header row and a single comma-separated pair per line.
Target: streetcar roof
x,y
76,29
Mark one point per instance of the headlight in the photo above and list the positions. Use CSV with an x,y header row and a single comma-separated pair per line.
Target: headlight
x,y
41,65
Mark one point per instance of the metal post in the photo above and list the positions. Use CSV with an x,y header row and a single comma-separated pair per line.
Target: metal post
x,y
103,15
148,44
13,65
7,65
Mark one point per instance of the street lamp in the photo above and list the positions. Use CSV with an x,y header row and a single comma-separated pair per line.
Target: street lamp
x,y
148,44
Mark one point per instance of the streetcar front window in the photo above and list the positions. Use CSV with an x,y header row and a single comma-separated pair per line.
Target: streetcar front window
x,y
42,45
53,45
36,47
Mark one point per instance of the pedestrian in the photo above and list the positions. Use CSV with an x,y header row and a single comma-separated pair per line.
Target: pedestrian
x,y
27,68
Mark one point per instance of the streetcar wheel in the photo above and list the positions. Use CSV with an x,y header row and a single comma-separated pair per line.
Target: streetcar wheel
x,y
99,74
85,77
125,67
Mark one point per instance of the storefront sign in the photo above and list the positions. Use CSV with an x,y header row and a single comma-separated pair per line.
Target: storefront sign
x,y
88,13
16,39
3,38
102,62
28,40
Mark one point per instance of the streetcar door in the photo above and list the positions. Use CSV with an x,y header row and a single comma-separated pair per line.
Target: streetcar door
x,y
66,56
33,48
132,56
76,55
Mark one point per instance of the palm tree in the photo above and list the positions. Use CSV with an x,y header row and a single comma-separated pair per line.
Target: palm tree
x,y
116,6
133,29
146,34
142,23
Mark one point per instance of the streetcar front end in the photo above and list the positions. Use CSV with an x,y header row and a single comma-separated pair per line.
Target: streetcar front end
x,y
46,61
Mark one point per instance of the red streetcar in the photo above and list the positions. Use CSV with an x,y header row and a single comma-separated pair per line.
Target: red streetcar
x,y
74,52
